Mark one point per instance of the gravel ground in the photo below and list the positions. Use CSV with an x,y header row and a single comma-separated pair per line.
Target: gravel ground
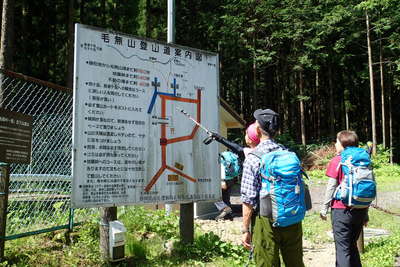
x,y
314,254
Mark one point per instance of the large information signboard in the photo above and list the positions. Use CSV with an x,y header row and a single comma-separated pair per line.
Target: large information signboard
x,y
131,142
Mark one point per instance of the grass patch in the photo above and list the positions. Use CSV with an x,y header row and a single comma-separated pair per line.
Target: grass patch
x,y
387,177
315,229
317,176
50,250
382,251
152,240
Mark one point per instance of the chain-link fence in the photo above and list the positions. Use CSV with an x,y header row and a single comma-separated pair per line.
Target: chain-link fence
x,y
39,193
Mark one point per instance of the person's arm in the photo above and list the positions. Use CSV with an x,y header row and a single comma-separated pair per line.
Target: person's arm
x,y
249,189
333,172
235,148
247,210
330,190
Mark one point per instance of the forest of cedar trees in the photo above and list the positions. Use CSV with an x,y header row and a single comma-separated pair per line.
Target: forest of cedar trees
x,y
324,65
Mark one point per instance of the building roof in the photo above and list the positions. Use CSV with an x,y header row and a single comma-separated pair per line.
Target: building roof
x,y
230,116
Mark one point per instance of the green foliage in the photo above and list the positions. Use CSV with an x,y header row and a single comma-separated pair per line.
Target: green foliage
x,y
387,178
287,140
141,220
318,175
382,251
136,249
208,246
382,156
149,231
262,46
145,248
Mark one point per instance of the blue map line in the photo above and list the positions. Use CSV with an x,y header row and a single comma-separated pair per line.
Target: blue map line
x,y
174,86
156,93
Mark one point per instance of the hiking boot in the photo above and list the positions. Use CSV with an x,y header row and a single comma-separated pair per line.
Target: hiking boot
x,y
225,214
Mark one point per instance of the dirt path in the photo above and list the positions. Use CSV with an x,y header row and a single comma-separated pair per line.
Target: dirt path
x,y
314,254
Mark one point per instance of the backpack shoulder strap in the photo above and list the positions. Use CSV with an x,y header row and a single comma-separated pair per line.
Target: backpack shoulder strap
x,y
304,173
256,153
259,154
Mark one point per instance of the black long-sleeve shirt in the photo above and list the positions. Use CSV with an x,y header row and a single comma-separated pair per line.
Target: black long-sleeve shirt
x,y
235,148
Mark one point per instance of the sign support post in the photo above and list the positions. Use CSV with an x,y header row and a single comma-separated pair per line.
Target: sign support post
x,y
107,215
16,142
4,183
186,223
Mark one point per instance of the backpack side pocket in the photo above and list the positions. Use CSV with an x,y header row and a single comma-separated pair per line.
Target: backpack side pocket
x,y
266,206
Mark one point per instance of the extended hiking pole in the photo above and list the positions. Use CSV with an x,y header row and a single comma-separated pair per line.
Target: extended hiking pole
x,y
250,256
206,141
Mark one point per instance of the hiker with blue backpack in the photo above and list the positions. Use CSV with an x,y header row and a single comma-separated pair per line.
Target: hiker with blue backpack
x,y
273,193
231,167
350,190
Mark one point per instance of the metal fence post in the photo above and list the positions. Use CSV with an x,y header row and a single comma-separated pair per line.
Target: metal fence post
x,y
4,183
70,226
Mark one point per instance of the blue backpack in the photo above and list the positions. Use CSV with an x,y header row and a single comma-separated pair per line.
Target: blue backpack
x,y
358,187
232,164
282,195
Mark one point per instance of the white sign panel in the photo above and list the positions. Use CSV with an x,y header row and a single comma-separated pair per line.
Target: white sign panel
x,y
131,142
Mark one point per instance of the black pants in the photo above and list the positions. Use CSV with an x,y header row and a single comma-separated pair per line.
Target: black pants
x,y
347,225
226,196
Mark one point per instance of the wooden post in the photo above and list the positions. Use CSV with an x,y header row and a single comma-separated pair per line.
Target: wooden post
x,y
4,182
186,223
360,241
107,215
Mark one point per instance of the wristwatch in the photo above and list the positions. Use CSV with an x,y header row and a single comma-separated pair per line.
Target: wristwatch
x,y
245,230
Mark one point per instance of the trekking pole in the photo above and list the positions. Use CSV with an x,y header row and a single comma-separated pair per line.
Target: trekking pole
x,y
206,141
250,256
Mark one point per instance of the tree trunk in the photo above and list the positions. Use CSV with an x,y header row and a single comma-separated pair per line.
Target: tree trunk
x,y
318,104
26,20
104,13
70,45
332,120
284,96
371,82
7,29
254,100
302,117
346,100
390,122
4,187
382,94
6,49
82,11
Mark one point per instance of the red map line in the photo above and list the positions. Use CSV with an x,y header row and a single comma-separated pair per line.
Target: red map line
x,y
164,141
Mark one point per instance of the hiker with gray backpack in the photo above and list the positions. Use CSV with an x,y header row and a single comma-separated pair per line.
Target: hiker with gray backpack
x,y
350,190
273,196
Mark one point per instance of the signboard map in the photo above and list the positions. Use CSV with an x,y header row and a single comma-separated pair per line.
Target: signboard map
x,y
131,142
